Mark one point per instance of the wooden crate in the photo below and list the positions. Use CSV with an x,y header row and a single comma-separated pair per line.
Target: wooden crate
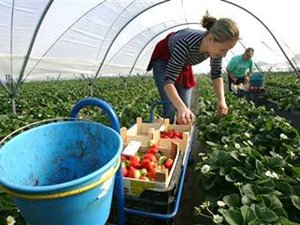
x,y
142,132
141,128
186,135
136,187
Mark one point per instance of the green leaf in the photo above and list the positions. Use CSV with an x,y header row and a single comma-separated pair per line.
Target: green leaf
x,y
265,214
209,183
255,222
235,155
296,170
259,166
245,200
232,216
248,214
229,178
271,201
246,172
250,191
280,212
296,201
285,188
210,143
232,200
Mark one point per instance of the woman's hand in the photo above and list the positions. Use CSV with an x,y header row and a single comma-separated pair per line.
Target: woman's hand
x,y
185,116
222,108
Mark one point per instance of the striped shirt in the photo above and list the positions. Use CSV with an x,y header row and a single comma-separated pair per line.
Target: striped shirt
x,y
184,49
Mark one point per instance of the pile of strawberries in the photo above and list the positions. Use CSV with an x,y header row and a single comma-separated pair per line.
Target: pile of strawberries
x,y
174,134
145,165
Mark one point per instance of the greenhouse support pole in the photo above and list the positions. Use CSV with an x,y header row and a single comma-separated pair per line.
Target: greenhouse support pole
x,y
156,35
290,62
119,32
13,104
32,43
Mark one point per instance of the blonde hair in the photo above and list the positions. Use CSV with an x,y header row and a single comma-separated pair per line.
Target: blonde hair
x,y
223,29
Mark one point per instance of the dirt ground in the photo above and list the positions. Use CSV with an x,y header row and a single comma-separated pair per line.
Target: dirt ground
x,y
191,195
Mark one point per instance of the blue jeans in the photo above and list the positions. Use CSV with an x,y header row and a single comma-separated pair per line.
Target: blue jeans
x,y
159,74
238,81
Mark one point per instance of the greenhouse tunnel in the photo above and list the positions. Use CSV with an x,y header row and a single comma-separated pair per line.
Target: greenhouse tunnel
x,y
53,53
87,37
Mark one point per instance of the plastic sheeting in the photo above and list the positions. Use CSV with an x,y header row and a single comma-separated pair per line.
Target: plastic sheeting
x,y
112,37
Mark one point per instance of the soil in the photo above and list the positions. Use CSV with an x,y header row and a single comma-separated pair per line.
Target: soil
x,y
191,196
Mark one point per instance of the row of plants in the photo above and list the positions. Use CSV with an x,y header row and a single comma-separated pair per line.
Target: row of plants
x,y
130,97
250,172
284,88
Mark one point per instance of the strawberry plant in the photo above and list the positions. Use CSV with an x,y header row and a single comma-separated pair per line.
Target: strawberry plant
x,y
284,89
250,173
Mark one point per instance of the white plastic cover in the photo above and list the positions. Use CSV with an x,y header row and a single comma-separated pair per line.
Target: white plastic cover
x,y
109,37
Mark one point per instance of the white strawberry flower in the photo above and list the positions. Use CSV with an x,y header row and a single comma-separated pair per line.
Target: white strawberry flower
x,y
221,204
205,169
272,174
10,220
283,136
217,219
237,146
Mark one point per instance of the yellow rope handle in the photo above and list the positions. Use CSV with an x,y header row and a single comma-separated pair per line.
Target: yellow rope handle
x,y
32,124
104,178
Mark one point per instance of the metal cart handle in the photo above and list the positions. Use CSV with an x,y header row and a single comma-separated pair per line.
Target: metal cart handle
x,y
153,106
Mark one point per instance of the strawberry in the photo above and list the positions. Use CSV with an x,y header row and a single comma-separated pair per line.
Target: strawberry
x,y
135,161
170,134
152,150
168,163
146,163
123,157
152,174
133,173
150,156
124,171
163,136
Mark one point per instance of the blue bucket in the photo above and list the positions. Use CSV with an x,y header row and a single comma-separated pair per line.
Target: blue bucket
x,y
257,79
62,173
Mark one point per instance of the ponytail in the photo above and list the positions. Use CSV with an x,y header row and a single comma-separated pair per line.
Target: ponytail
x,y
223,29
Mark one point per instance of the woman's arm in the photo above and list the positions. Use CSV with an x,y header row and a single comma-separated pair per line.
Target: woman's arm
x,y
184,114
218,85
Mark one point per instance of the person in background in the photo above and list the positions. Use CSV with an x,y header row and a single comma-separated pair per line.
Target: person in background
x,y
240,67
172,61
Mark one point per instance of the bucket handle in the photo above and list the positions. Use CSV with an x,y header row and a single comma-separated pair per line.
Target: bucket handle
x,y
108,174
115,124
101,104
26,127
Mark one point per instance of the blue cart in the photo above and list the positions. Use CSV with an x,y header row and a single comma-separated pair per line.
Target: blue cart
x,y
154,206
